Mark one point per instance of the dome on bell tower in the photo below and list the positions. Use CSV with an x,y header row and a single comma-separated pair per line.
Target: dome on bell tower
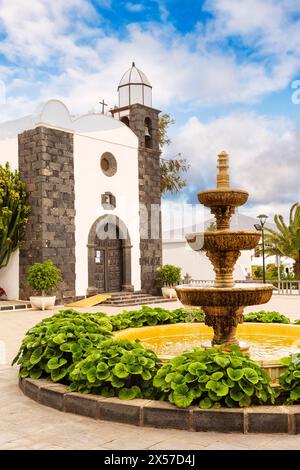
x,y
134,88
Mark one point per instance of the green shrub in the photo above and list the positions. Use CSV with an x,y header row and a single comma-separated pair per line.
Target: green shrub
x,y
121,368
148,316
264,316
211,378
43,277
170,275
297,322
51,347
290,378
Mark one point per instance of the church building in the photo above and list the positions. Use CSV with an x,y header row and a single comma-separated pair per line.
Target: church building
x,y
94,191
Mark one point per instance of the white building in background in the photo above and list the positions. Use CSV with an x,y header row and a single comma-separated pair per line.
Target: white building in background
x,y
176,251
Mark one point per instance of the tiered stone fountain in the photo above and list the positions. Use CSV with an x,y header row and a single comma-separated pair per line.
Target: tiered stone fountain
x,y
223,303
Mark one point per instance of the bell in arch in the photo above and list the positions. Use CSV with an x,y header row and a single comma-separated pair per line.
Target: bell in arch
x,y
147,132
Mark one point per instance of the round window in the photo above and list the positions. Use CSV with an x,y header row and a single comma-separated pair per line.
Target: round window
x,y
108,164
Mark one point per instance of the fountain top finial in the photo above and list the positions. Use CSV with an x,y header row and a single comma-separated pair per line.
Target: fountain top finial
x,y
223,174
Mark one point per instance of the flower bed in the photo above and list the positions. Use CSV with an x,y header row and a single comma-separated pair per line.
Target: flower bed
x,y
78,350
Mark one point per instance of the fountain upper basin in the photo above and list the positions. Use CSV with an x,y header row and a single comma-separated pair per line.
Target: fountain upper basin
x,y
238,296
223,240
223,197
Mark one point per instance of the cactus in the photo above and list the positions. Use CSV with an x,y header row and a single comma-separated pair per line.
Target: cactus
x,y
14,212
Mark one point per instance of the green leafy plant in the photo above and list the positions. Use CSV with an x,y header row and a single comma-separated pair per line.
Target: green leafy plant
x,y
264,316
169,275
43,277
297,322
121,368
51,347
14,212
148,316
290,378
211,378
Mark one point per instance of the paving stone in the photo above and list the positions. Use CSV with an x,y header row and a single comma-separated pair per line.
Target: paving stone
x,y
297,419
85,405
123,411
52,395
276,420
165,415
219,421
31,389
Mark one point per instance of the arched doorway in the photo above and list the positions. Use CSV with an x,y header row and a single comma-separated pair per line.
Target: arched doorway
x,y
109,256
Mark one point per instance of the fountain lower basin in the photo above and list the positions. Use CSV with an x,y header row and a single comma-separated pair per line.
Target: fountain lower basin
x,y
238,296
267,342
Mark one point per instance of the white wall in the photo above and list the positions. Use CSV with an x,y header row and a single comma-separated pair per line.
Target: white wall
x,y
9,152
196,264
90,183
9,277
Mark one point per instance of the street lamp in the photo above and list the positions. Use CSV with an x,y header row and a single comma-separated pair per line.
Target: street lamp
x,y
260,227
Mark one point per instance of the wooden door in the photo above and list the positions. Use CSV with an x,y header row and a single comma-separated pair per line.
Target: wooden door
x,y
108,265
100,268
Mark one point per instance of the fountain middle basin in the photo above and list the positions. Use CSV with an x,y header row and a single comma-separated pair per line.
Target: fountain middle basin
x,y
267,342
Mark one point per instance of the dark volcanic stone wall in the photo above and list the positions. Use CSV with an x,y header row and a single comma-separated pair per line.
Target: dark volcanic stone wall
x,y
46,165
149,195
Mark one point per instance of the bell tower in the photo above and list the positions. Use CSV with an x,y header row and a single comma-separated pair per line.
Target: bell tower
x,y
136,111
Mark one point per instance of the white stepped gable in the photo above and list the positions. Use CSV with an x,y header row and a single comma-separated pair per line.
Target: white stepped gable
x,y
54,113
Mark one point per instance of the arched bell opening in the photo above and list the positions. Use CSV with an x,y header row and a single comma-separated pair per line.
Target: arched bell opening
x,y
148,133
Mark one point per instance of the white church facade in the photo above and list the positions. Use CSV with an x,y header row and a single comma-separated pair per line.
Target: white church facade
x,y
93,184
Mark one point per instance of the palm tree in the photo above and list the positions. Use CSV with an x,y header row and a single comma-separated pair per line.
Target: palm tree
x,y
285,240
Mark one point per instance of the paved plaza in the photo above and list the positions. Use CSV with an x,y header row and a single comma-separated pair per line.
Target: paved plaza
x,y
26,424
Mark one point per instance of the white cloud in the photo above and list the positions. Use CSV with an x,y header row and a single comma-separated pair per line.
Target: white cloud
x,y
134,7
264,157
274,28
60,50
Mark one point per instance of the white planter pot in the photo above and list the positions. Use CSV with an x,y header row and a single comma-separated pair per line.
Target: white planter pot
x,y
42,303
169,292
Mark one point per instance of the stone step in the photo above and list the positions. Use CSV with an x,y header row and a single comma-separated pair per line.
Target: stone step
x,y
138,301
127,297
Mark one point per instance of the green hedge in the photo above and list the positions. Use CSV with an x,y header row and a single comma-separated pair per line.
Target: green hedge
x,y
264,316
215,377
290,379
121,368
53,346
148,316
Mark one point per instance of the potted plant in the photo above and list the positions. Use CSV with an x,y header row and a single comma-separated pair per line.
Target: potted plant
x,y
170,276
43,277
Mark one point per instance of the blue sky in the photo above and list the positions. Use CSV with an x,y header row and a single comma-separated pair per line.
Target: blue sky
x,y
224,73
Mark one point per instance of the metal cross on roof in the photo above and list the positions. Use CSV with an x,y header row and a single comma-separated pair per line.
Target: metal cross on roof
x,y
103,104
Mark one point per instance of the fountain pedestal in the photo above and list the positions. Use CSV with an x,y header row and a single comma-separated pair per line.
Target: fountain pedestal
x,y
224,303
224,321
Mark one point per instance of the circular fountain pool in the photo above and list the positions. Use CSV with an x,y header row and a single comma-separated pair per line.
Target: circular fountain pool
x,y
267,342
